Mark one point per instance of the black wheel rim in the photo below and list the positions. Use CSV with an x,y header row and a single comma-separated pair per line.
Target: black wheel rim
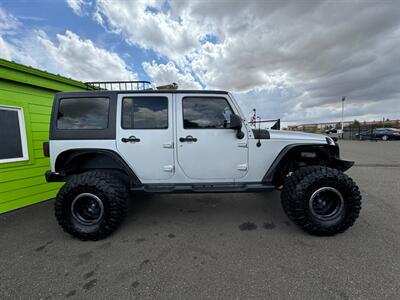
x,y
87,209
326,203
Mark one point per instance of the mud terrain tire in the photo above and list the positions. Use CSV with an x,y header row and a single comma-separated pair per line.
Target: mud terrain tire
x,y
91,205
321,200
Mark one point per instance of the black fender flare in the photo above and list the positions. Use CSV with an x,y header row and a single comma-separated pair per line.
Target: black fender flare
x,y
66,157
329,152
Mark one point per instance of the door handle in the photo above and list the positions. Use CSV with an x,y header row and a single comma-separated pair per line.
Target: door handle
x,y
131,139
188,139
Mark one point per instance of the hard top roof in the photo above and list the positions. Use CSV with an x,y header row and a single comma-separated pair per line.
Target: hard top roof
x,y
113,93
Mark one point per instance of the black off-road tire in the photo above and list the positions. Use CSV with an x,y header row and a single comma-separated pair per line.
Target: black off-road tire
x,y
297,193
290,184
113,194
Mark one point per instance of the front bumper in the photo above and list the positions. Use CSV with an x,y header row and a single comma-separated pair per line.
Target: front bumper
x,y
342,165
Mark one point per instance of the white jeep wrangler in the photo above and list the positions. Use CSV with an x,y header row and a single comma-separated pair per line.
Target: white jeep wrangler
x,y
105,144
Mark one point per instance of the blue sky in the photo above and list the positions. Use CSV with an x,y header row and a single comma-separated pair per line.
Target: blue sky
x,y
290,60
56,16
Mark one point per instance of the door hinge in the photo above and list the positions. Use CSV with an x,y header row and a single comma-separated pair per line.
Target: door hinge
x,y
242,167
168,145
168,168
242,144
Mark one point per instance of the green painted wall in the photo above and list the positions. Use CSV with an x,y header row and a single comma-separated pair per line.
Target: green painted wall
x,y
23,183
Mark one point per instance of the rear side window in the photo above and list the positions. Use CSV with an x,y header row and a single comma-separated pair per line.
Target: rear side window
x,y
83,113
206,113
145,113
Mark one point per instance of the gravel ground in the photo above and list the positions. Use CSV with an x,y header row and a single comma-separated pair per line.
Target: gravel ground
x,y
217,246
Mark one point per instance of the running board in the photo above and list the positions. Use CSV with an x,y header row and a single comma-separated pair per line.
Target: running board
x,y
203,188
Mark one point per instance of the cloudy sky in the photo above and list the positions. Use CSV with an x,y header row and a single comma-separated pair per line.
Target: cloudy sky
x,y
290,60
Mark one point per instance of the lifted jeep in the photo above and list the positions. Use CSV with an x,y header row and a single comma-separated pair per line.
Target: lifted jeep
x,y
105,144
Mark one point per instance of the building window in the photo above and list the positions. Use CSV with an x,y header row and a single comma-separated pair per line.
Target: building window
x,y
14,146
206,113
83,113
145,113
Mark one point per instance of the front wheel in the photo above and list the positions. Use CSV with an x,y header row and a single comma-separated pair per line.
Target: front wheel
x,y
385,138
321,200
92,205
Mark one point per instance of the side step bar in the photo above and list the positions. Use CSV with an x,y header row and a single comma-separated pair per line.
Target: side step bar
x,y
203,188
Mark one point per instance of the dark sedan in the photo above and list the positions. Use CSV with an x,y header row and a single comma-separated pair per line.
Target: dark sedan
x,y
380,133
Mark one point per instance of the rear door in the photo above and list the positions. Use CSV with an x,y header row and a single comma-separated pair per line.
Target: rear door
x,y
145,134
206,148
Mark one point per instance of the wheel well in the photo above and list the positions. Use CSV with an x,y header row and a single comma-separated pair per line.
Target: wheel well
x,y
295,157
78,161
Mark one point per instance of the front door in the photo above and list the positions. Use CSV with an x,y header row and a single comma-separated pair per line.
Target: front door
x,y
145,135
206,147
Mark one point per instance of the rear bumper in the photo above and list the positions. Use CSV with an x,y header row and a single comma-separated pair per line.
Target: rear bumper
x,y
54,177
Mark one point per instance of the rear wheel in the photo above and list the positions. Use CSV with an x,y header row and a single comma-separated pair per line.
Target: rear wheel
x,y
321,200
92,205
385,138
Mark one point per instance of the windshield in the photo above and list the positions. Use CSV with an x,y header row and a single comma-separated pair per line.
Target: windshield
x,y
237,106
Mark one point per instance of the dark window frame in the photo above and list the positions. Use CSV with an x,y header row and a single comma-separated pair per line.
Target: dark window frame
x,y
142,97
22,135
80,129
203,97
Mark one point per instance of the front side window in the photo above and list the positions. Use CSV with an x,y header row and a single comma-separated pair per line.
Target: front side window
x,y
145,113
83,113
12,135
206,113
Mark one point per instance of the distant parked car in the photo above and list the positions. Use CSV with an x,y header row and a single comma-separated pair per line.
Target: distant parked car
x,y
380,133
331,130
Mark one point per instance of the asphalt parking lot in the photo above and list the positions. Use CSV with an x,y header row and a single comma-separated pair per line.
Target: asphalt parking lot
x,y
216,246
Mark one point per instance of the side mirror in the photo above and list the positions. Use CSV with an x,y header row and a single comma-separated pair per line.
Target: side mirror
x,y
236,123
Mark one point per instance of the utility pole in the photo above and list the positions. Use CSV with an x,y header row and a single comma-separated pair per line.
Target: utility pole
x,y
343,98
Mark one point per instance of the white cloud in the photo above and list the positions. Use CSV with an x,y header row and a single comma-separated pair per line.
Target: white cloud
x,y
98,18
314,52
77,6
8,23
167,73
69,56
5,49
81,59
289,59
8,27
146,24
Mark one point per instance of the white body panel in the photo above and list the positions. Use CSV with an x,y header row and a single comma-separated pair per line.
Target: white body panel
x,y
153,156
217,156
261,158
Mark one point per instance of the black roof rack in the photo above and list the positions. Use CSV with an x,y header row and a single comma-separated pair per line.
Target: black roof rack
x,y
134,85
